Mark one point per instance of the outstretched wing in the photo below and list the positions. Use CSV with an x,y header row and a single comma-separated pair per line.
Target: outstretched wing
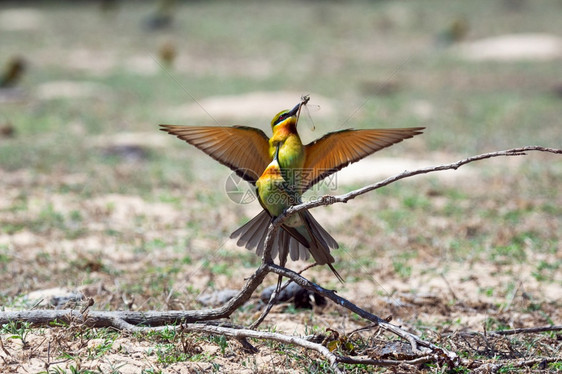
x,y
243,149
338,149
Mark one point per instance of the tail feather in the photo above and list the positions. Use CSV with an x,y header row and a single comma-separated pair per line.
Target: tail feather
x,y
336,273
297,250
282,248
320,232
253,232
322,241
245,233
288,241
277,245
252,236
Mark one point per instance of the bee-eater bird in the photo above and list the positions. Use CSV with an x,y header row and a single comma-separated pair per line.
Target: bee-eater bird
x,y
248,151
13,72
275,195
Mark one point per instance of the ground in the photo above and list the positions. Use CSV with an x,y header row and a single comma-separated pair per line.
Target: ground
x,y
96,200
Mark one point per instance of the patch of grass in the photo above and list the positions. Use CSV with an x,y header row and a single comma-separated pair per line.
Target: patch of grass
x,y
493,324
401,269
151,371
546,270
508,368
416,202
97,351
555,366
5,257
168,354
508,253
221,341
17,330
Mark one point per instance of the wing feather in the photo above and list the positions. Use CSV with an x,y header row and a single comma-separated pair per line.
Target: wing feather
x,y
336,150
243,149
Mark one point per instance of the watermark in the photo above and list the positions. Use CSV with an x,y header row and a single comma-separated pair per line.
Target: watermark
x,y
240,191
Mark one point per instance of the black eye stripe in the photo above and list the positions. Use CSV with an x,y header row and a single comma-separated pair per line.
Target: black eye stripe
x,y
281,118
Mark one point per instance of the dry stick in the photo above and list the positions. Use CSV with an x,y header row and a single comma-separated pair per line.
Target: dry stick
x,y
507,306
274,295
329,200
527,330
149,318
241,333
370,361
266,259
413,339
237,334
453,294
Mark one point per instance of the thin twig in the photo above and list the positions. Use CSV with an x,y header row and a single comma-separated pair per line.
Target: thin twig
x,y
370,361
329,200
274,295
414,340
526,330
453,294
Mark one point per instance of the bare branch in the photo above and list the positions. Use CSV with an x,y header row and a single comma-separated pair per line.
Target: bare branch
x,y
329,200
414,340
370,361
243,333
305,283
528,330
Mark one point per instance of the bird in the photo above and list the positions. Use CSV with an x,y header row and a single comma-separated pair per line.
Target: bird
x,y
455,32
163,16
275,195
167,53
13,71
248,152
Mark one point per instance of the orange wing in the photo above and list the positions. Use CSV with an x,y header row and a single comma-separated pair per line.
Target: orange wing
x,y
336,150
243,149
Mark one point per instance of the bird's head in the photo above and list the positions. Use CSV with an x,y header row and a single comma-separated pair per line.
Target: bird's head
x,y
286,117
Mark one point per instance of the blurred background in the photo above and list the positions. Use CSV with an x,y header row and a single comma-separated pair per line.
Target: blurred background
x,y
94,194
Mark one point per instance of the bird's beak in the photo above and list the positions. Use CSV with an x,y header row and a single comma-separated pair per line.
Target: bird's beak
x,y
294,111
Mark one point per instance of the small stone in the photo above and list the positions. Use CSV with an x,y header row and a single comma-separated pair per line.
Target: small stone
x,y
217,298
